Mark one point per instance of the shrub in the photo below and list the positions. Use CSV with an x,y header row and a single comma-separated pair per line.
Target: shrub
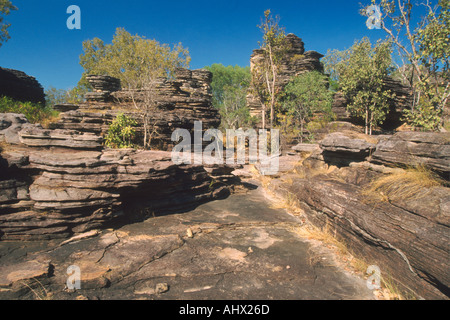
x,y
35,112
121,132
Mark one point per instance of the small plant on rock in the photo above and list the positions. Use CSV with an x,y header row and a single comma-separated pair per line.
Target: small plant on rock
x,y
121,132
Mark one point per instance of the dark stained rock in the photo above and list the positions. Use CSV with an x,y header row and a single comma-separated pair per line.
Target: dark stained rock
x,y
339,107
65,107
19,86
415,148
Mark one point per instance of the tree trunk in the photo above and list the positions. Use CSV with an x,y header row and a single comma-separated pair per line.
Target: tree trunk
x,y
367,121
264,117
301,130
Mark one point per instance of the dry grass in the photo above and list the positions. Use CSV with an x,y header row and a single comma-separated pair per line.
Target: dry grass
x,y
411,183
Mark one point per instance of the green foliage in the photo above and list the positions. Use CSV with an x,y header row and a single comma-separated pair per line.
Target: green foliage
x,y
229,88
5,9
425,52
128,57
35,112
121,132
55,96
305,97
424,117
362,71
265,75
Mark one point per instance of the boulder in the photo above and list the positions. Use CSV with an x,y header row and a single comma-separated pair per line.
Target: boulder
x,y
10,126
341,149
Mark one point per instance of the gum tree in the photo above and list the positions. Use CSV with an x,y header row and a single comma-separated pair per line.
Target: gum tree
x,y
265,75
362,72
424,49
307,95
5,9
230,88
140,64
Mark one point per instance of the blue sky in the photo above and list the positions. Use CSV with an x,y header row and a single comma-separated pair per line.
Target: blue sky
x,y
214,31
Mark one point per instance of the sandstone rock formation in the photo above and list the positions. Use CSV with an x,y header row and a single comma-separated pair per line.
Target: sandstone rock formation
x,y
103,87
56,183
20,86
407,237
402,100
181,102
340,149
295,62
415,148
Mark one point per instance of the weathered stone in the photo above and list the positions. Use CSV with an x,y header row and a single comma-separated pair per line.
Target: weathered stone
x,y
415,148
180,102
340,149
306,148
19,86
38,137
83,190
295,62
10,126
408,240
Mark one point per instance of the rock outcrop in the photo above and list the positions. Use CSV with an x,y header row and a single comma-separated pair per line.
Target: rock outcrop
x,y
295,62
57,183
402,100
406,237
20,86
415,148
341,149
103,87
180,102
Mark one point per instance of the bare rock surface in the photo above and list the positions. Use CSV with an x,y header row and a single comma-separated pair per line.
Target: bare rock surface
x,y
237,248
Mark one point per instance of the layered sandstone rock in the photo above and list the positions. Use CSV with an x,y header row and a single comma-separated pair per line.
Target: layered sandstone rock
x,y
295,62
415,148
407,236
20,86
55,183
401,100
180,102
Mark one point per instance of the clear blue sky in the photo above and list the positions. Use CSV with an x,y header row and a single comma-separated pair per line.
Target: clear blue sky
x,y
215,31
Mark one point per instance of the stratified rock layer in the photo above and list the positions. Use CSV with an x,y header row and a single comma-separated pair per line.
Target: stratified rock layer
x,y
20,86
406,237
415,148
180,102
55,183
295,62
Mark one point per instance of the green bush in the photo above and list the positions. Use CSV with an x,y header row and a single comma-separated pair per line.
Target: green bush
x,y
35,112
121,132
